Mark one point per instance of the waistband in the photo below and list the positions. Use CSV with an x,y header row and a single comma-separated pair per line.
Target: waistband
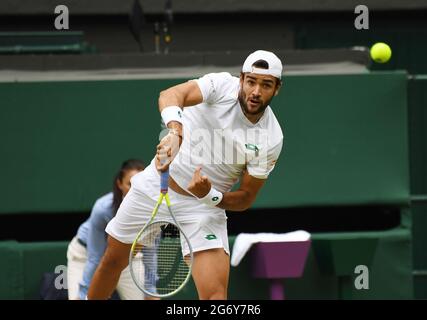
x,y
82,242
175,187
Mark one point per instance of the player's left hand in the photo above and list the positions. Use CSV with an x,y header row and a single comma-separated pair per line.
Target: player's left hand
x,y
199,184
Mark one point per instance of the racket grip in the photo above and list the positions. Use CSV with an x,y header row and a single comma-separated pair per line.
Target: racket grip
x,y
164,181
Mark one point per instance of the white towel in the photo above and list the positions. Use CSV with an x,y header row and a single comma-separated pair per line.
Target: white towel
x,y
244,241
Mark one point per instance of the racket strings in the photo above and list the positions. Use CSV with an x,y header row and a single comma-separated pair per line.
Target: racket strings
x,y
158,265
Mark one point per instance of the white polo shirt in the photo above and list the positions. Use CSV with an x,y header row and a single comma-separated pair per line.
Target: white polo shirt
x,y
219,138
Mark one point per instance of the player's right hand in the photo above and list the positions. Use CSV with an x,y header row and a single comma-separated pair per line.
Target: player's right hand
x,y
167,150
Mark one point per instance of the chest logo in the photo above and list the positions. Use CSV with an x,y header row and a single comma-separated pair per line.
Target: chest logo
x,y
252,147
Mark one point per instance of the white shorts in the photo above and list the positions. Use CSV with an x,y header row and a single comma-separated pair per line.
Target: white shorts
x,y
205,227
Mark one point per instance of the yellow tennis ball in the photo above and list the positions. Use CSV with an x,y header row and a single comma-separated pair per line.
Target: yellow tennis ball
x,y
380,52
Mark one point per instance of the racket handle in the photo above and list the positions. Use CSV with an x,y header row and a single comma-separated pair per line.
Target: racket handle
x,y
164,181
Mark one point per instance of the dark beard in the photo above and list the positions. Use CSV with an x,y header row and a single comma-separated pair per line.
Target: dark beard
x,y
244,105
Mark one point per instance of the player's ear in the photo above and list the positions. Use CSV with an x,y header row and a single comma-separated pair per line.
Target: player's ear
x,y
278,86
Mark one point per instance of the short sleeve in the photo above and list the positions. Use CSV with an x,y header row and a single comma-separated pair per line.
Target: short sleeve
x,y
261,166
213,86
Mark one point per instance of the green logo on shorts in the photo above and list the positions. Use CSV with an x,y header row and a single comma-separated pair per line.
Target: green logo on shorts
x,y
210,237
215,198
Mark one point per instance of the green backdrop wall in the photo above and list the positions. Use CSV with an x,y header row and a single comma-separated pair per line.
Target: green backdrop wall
x,y
345,140
417,93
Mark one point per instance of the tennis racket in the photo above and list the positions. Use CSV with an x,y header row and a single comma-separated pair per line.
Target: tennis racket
x,y
156,262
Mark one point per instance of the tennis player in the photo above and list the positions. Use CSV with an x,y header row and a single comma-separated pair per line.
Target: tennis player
x,y
229,134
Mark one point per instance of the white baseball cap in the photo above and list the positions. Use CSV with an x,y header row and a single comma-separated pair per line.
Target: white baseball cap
x,y
274,64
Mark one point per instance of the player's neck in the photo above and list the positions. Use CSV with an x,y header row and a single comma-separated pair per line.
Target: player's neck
x,y
253,118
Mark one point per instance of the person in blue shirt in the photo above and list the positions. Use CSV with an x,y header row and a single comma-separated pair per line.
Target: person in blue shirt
x,y
88,246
